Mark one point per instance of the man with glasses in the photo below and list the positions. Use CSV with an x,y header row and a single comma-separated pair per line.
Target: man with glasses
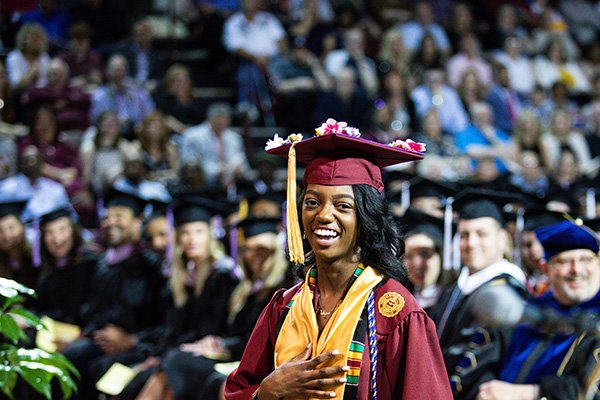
x,y
543,361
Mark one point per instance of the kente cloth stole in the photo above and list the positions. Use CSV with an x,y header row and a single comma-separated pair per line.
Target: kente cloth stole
x,y
300,327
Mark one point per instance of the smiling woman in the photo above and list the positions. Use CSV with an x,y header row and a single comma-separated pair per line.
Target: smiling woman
x,y
68,264
351,329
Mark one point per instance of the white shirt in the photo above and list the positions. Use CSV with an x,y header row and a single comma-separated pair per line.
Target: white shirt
x,y
428,297
17,66
520,72
547,73
200,144
259,36
44,196
451,110
468,283
413,32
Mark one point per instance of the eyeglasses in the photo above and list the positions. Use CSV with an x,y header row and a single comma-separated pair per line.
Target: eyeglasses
x,y
566,261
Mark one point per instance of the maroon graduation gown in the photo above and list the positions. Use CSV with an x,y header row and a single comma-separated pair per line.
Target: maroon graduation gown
x,y
410,364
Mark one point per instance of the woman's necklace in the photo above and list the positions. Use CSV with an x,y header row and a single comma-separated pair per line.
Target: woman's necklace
x,y
326,314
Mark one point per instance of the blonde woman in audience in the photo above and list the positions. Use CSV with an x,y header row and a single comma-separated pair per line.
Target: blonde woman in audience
x,y
528,131
100,153
176,99
159,154
561,136
28,62
394,56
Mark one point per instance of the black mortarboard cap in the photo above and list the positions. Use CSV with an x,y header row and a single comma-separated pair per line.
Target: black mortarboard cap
x,y
394,175
276,196
479,203
65,211
416,221
116,197
537,216
12,207
194,208
424,187
254,226
563,196
158,209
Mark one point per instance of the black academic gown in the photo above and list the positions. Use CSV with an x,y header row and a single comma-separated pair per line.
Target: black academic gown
x,y
63,291
200,316
460,323
126,294
26,274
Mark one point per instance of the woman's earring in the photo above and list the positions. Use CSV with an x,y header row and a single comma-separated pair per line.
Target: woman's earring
x,y
304,235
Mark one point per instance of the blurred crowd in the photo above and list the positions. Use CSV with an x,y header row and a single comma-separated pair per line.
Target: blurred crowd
x,y
140,204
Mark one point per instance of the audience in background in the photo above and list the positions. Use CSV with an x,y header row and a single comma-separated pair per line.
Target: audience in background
x,y
159,154
217,148
175,98
70,104
435,94
121,95
85,63
100,153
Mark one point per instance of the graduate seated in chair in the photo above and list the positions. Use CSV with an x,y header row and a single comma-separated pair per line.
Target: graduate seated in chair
x,y
68,264
125,296
189,370
551,357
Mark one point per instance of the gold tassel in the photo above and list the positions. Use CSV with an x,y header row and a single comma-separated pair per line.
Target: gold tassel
x,y
294,235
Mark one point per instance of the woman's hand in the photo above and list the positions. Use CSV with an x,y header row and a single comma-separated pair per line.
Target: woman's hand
x,y
301,377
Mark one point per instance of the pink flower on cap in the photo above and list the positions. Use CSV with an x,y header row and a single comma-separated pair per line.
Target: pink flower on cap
x,y
409,144
332,126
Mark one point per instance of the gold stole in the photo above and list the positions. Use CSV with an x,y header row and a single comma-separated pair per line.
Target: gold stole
x,y
300,326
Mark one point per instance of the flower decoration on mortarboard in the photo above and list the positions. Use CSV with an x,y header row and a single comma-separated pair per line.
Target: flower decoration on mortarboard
x,y
332,126
337,155
279,141
409,144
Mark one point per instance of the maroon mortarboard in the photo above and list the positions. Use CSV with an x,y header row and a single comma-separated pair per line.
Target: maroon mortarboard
x,y
336,156
339,159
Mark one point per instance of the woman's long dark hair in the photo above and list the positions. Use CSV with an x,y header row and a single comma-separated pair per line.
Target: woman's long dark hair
x,y
379,238
48,260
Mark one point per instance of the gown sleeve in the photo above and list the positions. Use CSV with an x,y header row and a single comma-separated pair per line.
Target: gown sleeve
x,y
258,359
420,369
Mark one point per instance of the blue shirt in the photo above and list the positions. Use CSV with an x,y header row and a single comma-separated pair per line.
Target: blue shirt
x,y
471,135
